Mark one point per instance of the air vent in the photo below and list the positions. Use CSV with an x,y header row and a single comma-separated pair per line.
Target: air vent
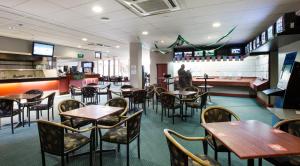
x,y
150,7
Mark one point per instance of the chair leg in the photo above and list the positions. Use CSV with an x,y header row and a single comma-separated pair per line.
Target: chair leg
x,y
153,103
162,114
118,148
229,158
62,160
139,151
205,146
100,151
28,114
23,112
91,153
260,162
12,124
173,115
52,113
48,114
127,156
216,155
144,105
156,106
43,159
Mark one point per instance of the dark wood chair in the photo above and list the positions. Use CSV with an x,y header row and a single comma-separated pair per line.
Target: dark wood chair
x,y
68,105
105,92
118,116
217,114
40,106
158,91
139,97
89,95
7,110
170,102
75,91
180,156
123,134
292,127
197,102
55,141
150,95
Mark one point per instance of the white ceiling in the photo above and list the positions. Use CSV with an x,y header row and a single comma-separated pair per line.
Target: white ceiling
x,y
65,22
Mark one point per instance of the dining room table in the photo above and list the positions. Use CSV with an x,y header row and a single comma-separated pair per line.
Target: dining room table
x,y
252,139
93,113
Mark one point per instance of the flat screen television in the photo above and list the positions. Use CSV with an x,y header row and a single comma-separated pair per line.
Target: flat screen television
x,y
270,32
209,52
178,54
257,41
188,54
198,53
87,64
42,49
280,25
236,51
98,54
263,38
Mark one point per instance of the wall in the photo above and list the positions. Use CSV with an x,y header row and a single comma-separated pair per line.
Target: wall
x,y
158,58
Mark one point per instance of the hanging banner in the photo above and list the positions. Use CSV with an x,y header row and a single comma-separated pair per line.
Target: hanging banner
x,y
224,58
230,58
219,58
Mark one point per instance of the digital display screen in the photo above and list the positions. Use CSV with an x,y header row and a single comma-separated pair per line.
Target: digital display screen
x,y
98,55
41,49
88,65
235,51
199,53
279,25
254,44
210,52
187,54
178,54
263,38
257,41
247,49
270,32
250,47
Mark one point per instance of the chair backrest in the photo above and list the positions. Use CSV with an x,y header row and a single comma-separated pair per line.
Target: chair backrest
x,y
6,107
179,155
34,91
139,96
118,102
88,91
92,84
159,90
126,86
69,104
73,89
192,88
150,90
51,137
203,99
291,126
133,124
217,114
167,100
51,99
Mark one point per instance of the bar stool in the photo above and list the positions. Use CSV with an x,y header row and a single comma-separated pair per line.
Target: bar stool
x,y
208,87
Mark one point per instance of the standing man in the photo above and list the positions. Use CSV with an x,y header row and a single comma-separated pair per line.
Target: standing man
x,y
182,77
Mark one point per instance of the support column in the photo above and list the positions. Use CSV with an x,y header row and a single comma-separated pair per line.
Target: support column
x,y
135,67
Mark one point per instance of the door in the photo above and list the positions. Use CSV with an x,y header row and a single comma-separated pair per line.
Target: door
x,y
161,69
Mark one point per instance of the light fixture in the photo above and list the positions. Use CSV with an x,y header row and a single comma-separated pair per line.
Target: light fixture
x,y
84,39
145,32
97,9
216,24
162,41
117,46
208,37
79,46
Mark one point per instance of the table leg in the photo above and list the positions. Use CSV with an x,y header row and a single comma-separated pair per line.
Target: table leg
x,y
250,162
205,84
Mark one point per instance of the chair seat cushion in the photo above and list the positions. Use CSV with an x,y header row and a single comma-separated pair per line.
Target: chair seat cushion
x,y
210,161
286,160
77,122
39,107
74,141
109,120
116,135
193,104
220,146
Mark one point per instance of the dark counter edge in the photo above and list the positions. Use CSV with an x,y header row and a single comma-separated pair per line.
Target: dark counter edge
x,y
20,80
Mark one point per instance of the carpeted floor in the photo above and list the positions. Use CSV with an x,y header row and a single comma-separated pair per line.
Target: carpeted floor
x,y
22,148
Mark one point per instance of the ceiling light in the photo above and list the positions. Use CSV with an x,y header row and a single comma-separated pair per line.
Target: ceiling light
x,y
117,46
216,24
208,37
145,32
79,46
162,41
84,39
97,9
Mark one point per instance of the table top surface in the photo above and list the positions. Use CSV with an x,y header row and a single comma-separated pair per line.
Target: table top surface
x,y
183,93
97,86
20,96
283,113
93,112
253,139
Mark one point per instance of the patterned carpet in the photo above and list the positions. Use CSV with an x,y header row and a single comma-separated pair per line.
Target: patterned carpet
x,y
22,148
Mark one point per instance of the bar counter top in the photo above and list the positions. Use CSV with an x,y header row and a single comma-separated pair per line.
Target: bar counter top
x,y
18,80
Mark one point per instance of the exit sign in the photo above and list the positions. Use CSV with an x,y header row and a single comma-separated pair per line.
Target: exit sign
x,y
80,55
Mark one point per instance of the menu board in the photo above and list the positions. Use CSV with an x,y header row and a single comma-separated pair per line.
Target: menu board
x,y
209,52
257,41
270,32
254,44
263,38
236,51
188,54
198,53
178,54
279,25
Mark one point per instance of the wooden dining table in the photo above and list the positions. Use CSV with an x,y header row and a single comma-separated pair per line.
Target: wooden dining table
x,y
253,139
93,113
21,96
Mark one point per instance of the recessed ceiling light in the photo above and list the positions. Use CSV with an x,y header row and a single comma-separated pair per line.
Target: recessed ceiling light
x,y
208,37
145,32
117,46
162,41
79,46
216,24
97,9
84,39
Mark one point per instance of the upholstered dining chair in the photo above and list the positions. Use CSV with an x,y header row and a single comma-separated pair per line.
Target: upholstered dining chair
x,y
139,97
217,114
75,91
39,107
197,102
180,156
190,98
170,101
122,134
7,110
71,104
291,126
150,94
118,116
89,95
105,92
126,94
158,91
55,141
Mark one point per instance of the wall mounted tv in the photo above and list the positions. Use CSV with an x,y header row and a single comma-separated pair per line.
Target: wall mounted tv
x,y
188,54
236,51
178,54
209,52
87,64
42,49
198,53
280,25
